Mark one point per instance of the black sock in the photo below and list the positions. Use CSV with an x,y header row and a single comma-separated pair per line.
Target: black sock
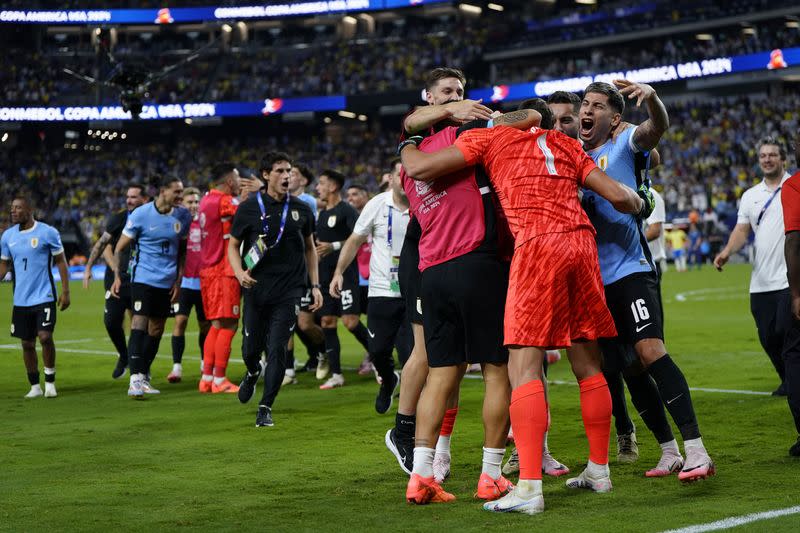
x,y
151,350
647,400
361,335
178,346
405,426
675,392
202,342
313,350
50,378
136,351
117,336
289,359
33,378
619,406
333,349
384,364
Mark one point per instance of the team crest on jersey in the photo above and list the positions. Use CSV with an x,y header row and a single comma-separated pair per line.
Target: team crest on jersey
x,y
602,162
177,227
137,306
331,221
176,307
12,329
34,242
235,309
295,215
422,187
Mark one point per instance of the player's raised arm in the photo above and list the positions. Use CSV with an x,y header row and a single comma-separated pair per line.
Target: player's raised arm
x,y
521,119
650,131
623,198
456,112
428,166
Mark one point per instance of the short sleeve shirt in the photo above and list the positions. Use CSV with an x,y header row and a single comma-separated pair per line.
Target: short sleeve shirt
x,y
31,253
659,215
769,262
790,201
386,245
281,273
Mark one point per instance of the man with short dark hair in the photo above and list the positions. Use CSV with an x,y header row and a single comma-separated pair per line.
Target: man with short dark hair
x,y
760,210
29,249
218,286
565,107
334,226
629,278
276,231
114,312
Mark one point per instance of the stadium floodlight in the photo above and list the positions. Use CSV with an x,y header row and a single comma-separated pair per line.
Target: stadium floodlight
x,y
704,37
470,9
347,114
5,137
124,136
362,118
586,2
495,7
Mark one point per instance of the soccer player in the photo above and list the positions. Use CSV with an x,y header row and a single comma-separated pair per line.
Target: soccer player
x,y
357,197
114,313
159,229
565,107
383,219
444,92
334,225
276,231
308,331
760,211
790,199
555,304
629,277
190,289
218,285
29,249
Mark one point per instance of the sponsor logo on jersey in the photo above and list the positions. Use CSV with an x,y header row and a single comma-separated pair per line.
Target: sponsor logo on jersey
x,y
295,215
331,221
422,187
34,242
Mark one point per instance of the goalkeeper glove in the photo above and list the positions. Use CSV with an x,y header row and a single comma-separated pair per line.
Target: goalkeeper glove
x,y
646,195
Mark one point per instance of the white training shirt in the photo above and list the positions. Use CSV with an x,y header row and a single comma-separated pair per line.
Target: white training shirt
x,y
374,221
769,263
659,214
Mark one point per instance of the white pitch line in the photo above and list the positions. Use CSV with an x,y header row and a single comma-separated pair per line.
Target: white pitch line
x,y
736,521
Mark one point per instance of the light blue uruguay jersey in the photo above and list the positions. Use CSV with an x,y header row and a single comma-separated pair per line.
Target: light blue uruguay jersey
x,y
157,237
31,252
620,242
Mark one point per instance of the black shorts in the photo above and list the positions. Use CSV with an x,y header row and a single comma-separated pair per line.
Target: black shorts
x,y
411,279
350,301
26,322
116,307
187,299
636,307
385,318
267,328
464,301
152,302
306,300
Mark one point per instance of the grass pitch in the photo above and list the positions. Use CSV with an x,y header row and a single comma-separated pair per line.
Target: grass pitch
x,y
92,459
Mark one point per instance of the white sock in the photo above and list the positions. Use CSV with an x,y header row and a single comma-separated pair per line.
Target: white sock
x,y
423,462
596,470
492,459
671,446
37,388
443,445
177,368
528,488
218,381
290,372
49,371
207,377
694,443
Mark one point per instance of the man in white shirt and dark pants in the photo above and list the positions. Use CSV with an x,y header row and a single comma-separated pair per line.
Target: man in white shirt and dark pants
x,y
384,218
654,233
760,210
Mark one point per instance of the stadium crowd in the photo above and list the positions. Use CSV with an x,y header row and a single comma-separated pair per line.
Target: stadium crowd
x,y
304,62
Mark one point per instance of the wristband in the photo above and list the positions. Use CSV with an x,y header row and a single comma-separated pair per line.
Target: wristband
x,y
415,140
316,286
336,246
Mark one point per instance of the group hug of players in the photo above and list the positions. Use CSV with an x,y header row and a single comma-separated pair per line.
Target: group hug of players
x,y
500,236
